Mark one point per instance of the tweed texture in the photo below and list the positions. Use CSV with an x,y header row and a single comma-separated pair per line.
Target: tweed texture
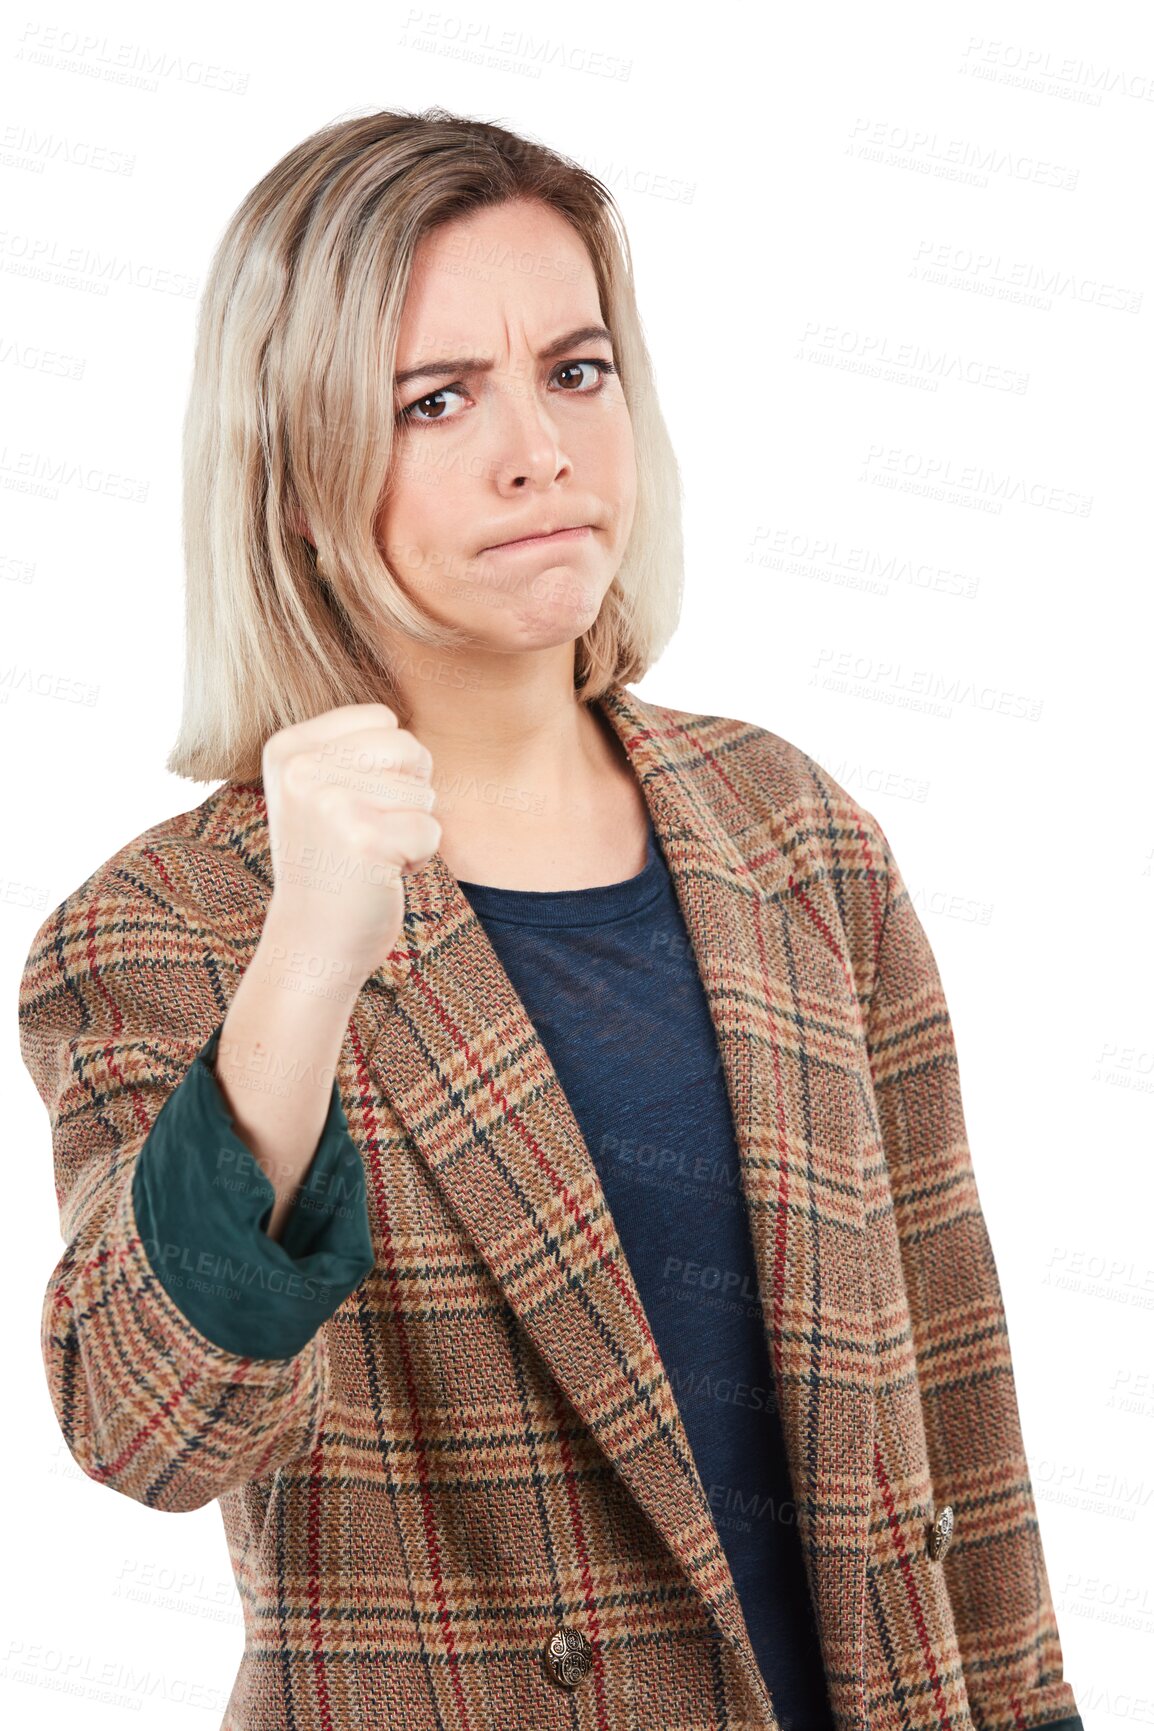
x,y
482,1444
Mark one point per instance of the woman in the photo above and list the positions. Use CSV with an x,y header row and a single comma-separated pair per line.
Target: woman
x,y
547,1226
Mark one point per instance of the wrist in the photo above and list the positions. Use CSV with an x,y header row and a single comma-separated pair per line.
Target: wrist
x,y
309,961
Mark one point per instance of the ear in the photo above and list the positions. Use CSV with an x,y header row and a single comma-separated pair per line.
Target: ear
x,y
300,524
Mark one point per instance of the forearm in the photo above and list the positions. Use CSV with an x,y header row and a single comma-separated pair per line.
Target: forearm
x,y
277,1056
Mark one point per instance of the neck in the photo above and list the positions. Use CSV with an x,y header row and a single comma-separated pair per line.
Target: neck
x,y
512,745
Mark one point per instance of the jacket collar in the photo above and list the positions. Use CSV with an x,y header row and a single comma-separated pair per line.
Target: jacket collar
x,y
454,1051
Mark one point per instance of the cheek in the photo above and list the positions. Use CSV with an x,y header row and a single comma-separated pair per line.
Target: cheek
x,y
420,505
615,451
408,488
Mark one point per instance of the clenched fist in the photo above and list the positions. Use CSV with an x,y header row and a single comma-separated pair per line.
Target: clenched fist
x,y
349,811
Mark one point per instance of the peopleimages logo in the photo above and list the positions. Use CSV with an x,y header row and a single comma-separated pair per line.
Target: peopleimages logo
x,y
222,1272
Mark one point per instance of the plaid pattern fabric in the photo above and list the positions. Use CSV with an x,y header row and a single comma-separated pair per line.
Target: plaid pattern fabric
x,y
479,1457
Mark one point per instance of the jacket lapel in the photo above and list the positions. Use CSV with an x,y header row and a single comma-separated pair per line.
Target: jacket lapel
x,y
454,1051
774,963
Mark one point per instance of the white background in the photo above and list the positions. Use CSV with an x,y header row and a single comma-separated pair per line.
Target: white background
x,y
853,229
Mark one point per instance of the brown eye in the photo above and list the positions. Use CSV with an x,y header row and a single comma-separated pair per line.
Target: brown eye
x,y
410,413
602,367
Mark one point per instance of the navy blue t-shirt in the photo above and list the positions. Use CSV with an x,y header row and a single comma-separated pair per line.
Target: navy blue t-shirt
x,y
610,982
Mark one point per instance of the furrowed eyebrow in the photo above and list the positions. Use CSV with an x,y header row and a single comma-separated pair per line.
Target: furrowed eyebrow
x,y
473,364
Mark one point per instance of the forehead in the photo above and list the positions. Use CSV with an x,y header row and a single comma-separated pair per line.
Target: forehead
x,y
516,265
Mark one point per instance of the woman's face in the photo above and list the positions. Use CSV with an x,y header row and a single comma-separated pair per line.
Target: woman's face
x,y
511,422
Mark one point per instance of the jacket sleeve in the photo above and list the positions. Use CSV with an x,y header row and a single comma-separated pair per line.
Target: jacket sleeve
x,y
994,1570
120,992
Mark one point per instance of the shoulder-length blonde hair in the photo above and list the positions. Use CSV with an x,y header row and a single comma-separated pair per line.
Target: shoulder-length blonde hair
x,y
289,419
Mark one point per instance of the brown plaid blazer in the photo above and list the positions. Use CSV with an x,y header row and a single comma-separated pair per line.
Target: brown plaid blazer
x,y
469,1501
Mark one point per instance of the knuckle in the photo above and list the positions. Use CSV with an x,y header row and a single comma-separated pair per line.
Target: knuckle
x,y
418,753
296,774
362,837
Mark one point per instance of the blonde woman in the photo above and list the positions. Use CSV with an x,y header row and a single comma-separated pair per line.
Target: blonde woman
x,y
508,1135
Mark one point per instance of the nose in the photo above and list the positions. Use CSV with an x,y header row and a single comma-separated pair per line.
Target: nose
x,y
526,450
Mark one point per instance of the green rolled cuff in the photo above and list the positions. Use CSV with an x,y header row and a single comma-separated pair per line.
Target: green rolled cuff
x,y
202,1203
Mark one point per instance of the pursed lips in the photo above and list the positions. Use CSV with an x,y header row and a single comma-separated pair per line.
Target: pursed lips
x,y
578,529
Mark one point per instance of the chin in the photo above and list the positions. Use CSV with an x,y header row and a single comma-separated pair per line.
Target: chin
x,y
545,626
578,605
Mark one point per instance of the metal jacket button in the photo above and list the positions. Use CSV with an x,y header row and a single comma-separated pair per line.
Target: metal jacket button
x,y
942,1534
568,1656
